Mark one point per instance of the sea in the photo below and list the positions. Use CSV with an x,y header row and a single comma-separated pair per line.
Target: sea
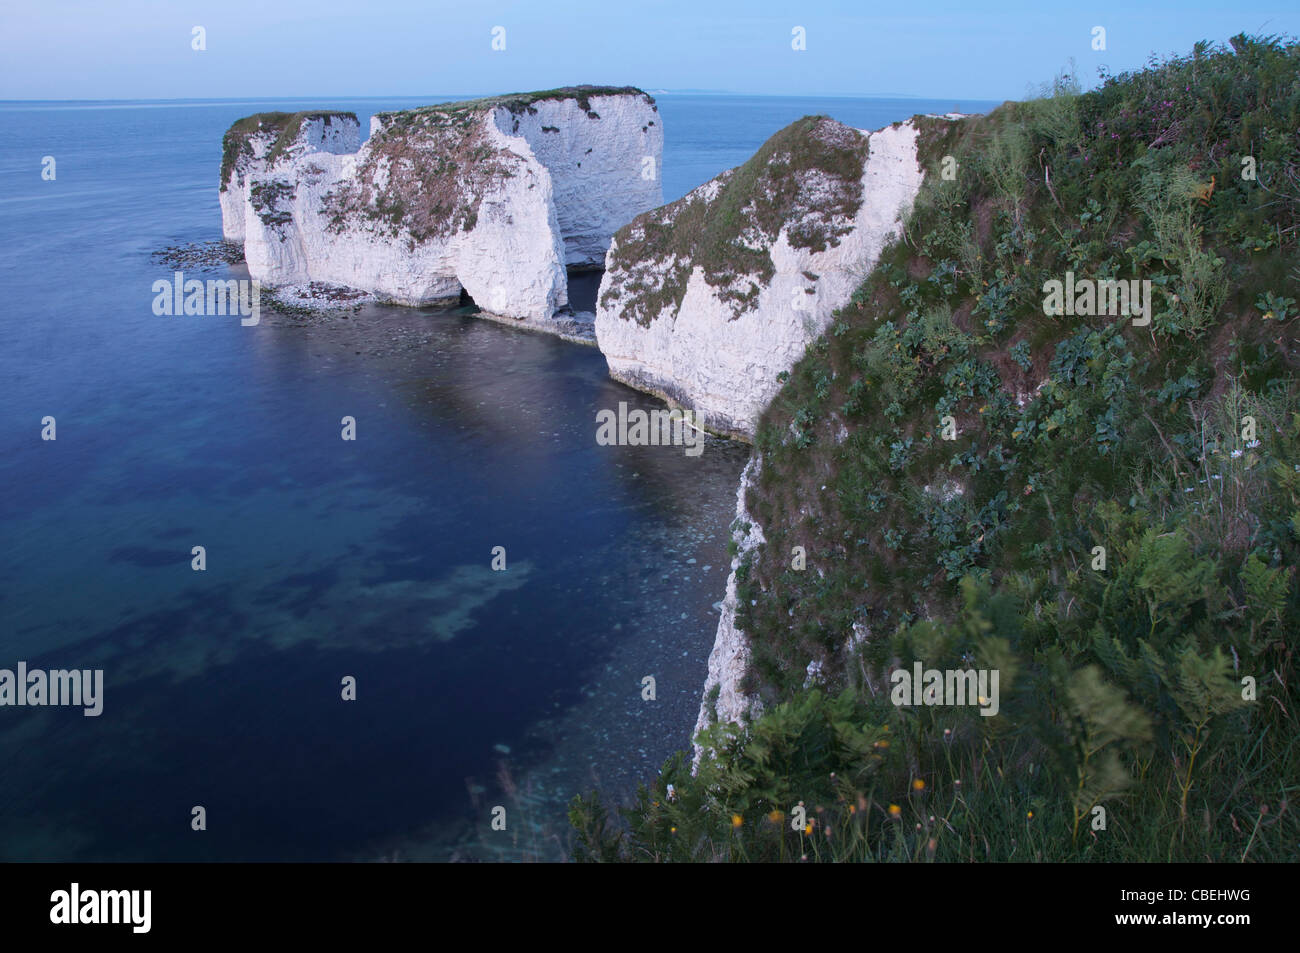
x,y
347,677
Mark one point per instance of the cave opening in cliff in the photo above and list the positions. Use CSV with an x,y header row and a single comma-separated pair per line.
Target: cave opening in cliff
x,y
584,284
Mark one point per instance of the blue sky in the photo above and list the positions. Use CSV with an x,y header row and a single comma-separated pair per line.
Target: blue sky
x,y
141,49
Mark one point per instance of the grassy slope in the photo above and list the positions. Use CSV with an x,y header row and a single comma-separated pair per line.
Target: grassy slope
x,y
1120,686
810,173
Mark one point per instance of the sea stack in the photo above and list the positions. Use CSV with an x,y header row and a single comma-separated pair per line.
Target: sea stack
x,y
494,197
705,301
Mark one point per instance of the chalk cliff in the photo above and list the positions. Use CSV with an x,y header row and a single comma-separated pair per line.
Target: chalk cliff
x,y
724,701
496,197
706,300
257,143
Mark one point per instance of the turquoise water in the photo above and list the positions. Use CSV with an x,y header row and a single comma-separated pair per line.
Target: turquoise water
x,y
325,558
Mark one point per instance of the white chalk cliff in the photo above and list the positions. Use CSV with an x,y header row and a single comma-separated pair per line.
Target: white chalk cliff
x,y
256,143
495,197
724,701
706,300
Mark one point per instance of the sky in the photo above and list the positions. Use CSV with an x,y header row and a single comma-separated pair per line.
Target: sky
x,y
967,49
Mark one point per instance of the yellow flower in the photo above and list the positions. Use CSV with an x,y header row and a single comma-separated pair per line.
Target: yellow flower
x,y
672,830
918,785
776,817
736,820
808,829
895,810
1031,814
882,744
852,809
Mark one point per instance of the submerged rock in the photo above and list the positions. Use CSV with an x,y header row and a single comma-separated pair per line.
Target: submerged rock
x,y
706,300
494,197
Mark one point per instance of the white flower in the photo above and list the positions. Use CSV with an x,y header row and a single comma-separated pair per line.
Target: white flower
x,y
1236,454
1252,445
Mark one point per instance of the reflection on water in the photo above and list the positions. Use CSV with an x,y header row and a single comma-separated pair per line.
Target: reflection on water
x,y
371,559
326,558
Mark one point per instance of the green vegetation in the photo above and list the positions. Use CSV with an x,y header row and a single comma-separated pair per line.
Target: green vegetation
x,y
284,126
423,175
809,173
517,103
268,198
1174,447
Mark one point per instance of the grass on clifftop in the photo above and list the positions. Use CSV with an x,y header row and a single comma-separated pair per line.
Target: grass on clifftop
x,y
808,175
284,126
424,175
517,103
1114,529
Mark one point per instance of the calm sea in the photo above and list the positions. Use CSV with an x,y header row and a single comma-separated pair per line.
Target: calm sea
x,y
325,558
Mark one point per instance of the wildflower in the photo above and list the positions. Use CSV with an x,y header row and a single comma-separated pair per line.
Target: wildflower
x,y
918,785
1252,445
853,809
1031,815
895,810
1236,453
672,830
776,816
947,732
736,820
882,744
808,828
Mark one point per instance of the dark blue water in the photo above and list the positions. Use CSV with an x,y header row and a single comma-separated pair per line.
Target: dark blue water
x,y
325,558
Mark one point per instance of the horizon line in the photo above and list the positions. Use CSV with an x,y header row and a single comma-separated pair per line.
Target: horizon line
x,y
658,92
